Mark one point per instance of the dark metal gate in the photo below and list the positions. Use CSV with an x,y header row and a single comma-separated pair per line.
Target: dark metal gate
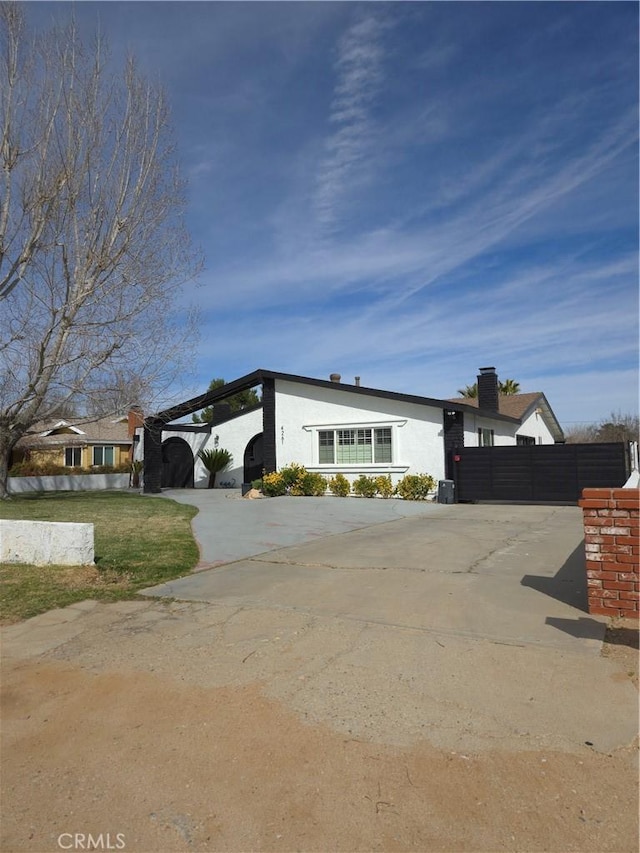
x,y
254,459
543,472
177,464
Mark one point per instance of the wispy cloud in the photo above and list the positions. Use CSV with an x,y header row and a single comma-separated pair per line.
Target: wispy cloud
x,y
360,76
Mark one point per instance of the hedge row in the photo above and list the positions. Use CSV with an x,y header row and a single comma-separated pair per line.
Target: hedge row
x,y
294,479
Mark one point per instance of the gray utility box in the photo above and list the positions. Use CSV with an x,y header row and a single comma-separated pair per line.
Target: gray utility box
x,y
446,492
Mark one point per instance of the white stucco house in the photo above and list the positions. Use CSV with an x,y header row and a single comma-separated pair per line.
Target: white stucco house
x,y
333,427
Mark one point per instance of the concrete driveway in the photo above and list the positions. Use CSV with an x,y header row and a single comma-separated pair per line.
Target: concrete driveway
x,y
489,600
363,675
513,574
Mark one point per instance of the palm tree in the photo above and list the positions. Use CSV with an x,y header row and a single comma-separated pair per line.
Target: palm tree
x,y
215,461
470,391
509,387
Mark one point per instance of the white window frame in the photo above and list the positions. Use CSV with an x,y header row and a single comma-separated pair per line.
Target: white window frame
x,y
486,437
364,435
103,448
361,439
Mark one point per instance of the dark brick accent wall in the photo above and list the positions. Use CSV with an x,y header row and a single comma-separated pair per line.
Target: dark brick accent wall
x,y
152,457
269,424
453,424
488,389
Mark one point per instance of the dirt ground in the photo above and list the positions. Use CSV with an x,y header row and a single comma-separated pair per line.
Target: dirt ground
x,y
144,762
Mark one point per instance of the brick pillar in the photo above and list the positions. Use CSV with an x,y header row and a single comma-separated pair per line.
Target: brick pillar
x,y
612,550
135,419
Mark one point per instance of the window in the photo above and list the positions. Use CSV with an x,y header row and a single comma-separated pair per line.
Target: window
x,y
354,446
485,437
525,439
103,455
326,446
73,457
382,445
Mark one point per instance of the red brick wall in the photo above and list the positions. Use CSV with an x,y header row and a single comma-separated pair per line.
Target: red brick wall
x,y
612,550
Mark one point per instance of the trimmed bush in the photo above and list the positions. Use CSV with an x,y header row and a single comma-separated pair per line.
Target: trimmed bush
x,y
309,484
339,486
365,486
293,479
415,487
273,485
384,486
291,473
27,468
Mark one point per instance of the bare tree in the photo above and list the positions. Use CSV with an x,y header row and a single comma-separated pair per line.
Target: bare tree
x,y
618,426
93,251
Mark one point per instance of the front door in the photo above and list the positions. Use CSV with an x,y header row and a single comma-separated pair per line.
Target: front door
x,y
177,464
254,459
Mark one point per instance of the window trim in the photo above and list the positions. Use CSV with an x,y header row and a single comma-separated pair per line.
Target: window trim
x,y
360,439
73,449
103,447
483,434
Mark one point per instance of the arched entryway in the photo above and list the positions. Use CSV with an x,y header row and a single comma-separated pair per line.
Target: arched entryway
x,y
253,459
177,464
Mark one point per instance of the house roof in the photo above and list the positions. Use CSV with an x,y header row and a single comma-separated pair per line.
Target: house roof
x,y
520,406
77,432
258,376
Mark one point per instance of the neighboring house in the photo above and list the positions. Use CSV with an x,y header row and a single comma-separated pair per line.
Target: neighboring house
x,y
334,427
80,442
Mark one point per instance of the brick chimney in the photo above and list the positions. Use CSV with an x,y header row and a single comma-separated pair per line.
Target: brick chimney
x,y
135,419
488,398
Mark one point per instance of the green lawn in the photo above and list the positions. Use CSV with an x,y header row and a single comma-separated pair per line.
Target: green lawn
x,y
139,541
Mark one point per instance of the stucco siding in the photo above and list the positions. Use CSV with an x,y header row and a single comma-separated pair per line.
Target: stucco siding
x,y
234,435
535,426
504,433
302,411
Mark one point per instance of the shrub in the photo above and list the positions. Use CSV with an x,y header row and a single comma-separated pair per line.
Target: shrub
x,y
415,487
309,484
365,486
339,486
293,479
257,484
273,485
27,468
291,473
384,486
106,469
44,468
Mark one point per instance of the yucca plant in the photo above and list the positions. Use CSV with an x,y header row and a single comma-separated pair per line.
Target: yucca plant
x,y
215,461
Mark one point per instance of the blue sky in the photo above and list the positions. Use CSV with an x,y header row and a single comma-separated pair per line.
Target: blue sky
x,y
409,191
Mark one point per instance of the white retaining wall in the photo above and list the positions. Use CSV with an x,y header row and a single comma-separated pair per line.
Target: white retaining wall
x,y
42,543
67,483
